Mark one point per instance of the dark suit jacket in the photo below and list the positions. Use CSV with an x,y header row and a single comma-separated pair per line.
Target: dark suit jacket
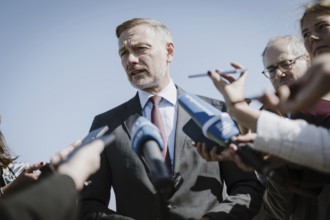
x,y
54,198
200,193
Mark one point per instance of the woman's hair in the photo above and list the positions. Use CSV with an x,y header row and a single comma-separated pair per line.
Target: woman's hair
x,y
5,157
322,6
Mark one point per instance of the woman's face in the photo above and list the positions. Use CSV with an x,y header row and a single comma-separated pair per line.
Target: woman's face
x,y
316,33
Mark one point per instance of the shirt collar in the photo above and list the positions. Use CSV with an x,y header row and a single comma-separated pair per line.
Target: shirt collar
x,y
169,93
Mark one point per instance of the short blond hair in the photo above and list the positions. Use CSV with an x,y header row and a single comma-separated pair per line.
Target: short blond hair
x,y
159,27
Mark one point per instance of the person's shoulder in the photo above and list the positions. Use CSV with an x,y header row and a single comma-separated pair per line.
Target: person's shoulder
x,y
115,116
118,110
215,102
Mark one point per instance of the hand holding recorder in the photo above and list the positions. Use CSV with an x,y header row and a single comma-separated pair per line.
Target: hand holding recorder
x,y
222,130
69,160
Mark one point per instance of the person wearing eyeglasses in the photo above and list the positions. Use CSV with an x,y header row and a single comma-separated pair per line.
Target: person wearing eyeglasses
x,y
308,196
285,59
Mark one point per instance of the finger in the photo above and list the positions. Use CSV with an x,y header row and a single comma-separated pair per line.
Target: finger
x,y
228,76
205,152
245,138
34,167
214,156
214,76
55,159
199,148
33,176
217,81
75,143
236,65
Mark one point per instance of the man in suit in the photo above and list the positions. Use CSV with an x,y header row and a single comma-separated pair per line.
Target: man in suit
x,y
146,50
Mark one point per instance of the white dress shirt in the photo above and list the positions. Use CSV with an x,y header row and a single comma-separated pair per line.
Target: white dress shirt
x,y
167,108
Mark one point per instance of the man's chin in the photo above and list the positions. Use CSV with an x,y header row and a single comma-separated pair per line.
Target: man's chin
x,y
143,85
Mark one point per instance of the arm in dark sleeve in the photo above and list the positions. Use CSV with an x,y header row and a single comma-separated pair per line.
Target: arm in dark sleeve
x,y
244,191
53,198
95,197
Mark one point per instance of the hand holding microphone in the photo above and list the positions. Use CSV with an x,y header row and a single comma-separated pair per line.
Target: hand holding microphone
x,y
220,128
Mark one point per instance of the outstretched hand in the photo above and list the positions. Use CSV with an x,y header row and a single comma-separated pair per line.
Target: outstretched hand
x,y
233,89
24,179
82,164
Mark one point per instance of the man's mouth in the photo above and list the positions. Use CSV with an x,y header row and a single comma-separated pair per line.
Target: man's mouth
x,y
136,72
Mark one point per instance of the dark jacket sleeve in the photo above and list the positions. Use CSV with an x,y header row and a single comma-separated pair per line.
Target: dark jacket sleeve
x,y
53,198
244,191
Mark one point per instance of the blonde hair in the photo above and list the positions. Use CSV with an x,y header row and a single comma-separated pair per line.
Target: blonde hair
x,y
317,7
159,27
5,157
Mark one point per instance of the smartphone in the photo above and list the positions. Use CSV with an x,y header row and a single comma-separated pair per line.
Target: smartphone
x,y
196,134
91,136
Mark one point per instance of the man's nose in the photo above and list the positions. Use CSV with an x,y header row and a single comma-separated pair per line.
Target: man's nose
x,y
132,58
278,73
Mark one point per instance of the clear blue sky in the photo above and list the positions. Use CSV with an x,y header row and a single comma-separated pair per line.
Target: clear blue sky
x,y
59,65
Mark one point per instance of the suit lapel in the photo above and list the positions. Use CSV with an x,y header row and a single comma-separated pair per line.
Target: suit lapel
x,y
182,118
132,111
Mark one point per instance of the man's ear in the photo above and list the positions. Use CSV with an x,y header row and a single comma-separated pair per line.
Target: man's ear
x,y
170,51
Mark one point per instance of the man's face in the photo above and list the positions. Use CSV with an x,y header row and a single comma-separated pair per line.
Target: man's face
x,y
278,52
316,33
145,57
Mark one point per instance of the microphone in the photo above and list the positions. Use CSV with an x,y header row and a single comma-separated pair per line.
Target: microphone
x,y
220,128
147,144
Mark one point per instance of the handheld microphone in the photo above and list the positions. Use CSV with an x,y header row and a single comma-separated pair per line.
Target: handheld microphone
x,y
216,125
147,144
220,128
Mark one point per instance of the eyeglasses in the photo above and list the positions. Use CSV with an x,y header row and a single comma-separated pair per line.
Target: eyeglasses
x,y
284,66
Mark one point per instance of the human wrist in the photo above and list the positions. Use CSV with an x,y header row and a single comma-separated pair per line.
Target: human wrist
x,y
244,114
236,107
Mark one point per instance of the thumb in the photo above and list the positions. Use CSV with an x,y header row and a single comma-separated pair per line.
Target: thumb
x,y
34,167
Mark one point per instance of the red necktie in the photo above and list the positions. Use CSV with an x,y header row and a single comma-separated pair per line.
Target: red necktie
x,y
156,119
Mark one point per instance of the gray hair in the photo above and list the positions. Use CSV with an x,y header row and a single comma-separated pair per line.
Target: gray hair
x,y
296,46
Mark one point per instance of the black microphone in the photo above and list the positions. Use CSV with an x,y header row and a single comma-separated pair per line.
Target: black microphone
x,y
147,144
220,128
